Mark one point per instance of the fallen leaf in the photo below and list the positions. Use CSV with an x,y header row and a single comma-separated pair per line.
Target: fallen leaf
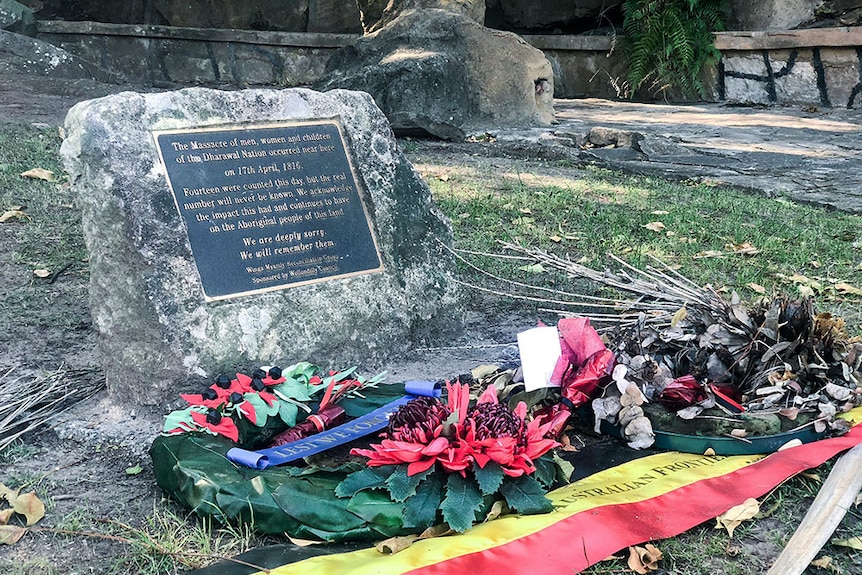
x,y
10,534
733,517
555,239
6,515
11,213
680,315
654,226
533,269
30,507
743,249
644,559
134,470
39,174
443,177
526,211
498,508
757,288
708,254
303,542
796,442
659,212
845,288
851,542
395,544
42,273
825,562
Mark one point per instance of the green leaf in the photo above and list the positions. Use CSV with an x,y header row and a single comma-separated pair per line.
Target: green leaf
x,y
401,486
368,478
300,372
526,495
546,470
134,470
564,469
287,411
262,409
489,477
376,508
420,510
292,389
181,418
462,501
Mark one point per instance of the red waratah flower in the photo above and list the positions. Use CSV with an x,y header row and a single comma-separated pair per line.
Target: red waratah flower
x,y
493,432
489,431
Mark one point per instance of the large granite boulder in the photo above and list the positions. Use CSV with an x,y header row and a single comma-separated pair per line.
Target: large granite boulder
x,y
156,328
441,73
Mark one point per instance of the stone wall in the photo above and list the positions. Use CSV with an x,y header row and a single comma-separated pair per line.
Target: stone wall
x,y
819,67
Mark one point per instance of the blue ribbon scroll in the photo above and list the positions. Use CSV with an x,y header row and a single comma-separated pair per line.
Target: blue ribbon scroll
x,y
344,433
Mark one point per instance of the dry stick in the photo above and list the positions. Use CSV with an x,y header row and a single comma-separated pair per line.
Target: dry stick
x,y
831,504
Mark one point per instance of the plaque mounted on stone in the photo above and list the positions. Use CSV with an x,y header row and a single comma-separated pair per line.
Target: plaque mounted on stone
x,y
158,333
268,206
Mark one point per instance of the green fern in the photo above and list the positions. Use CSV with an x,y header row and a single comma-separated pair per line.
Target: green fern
x,y
669,45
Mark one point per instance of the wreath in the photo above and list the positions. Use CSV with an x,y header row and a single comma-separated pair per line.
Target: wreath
x,y
449,462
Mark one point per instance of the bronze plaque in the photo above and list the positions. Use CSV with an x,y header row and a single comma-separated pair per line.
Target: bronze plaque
x,y
268,206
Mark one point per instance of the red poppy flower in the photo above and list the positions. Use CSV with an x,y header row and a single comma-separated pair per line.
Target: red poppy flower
x,y
225,426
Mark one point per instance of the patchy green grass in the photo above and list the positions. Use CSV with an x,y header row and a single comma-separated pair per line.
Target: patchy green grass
x,y
49,223
710,234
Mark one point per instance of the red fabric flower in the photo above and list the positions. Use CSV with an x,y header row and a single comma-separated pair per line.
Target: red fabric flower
x,y
225,426
486,432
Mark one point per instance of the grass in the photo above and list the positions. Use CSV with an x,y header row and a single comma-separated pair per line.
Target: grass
x,y
732,240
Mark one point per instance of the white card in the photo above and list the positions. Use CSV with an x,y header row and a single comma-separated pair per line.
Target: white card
x,y
540,349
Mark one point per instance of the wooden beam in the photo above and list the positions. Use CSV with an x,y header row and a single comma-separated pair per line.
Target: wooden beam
x,y
831,504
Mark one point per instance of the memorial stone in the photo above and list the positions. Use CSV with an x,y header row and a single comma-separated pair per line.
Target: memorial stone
x,y
255,227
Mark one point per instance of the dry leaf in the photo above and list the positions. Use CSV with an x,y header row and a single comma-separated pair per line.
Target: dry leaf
x,y
654,226
851,542
14,212
845,288
39,174
10,534
6,515
526,211
757,288
708,254
733,517
498,508
42,273
680,315
436,531
796,442
303,542
659,212
825,562
555,239
396,544
743,249
30,507
644,559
